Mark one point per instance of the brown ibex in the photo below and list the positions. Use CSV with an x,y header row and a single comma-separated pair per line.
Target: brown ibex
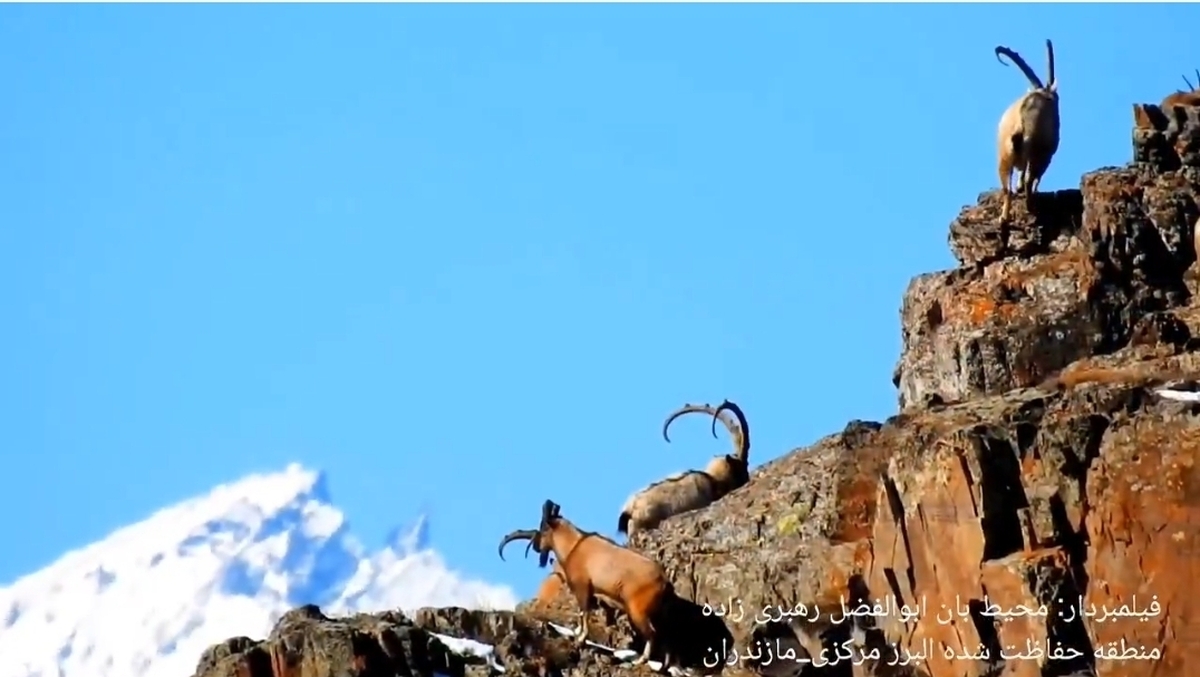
x,y
693,489
1028,132
1182,98
550,587
596,567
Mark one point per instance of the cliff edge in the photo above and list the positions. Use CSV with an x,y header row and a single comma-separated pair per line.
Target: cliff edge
x,y
1034,463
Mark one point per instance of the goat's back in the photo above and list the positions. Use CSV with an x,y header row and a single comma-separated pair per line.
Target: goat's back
x,y
1181,99
1034,119
666,498
1039,117
672,480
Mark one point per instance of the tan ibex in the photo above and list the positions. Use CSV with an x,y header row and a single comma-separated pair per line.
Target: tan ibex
x,y
1029,131
1181,98
596,567
693,489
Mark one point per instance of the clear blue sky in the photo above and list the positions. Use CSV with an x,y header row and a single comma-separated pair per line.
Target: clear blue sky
x,y
466,258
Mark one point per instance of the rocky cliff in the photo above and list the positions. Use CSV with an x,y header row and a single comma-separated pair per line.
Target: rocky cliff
x,y
1032,462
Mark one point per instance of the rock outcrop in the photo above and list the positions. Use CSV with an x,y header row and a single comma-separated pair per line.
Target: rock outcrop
x,y
1032,465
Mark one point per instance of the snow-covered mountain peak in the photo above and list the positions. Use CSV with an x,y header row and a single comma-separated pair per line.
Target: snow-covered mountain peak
x,y
411,538
147,600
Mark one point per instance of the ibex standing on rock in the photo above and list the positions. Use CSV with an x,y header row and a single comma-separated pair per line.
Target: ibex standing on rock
x,y
1182,98
694,489
596,567
1029,128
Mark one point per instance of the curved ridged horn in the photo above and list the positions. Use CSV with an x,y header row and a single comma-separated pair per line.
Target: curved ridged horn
x,y
741,437
517,535
1016,58
689,409
1049,63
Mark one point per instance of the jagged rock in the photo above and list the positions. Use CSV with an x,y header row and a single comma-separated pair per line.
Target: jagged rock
x,y
1028,497
1032,463
978,237
1166,139
306,643
1068,282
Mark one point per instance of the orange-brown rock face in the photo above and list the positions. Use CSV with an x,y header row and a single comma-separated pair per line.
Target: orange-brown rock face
x,y
1032,511
1032,466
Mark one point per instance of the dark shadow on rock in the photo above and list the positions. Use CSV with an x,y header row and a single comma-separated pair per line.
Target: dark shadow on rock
x,y
1056,589
693,637
857,433
1160,329
1003,494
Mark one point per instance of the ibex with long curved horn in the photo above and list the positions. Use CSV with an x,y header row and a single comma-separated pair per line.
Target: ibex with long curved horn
x,y
694,489
1029,130
596,567
1182,98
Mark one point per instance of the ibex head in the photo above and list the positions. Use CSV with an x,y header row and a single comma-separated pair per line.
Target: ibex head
x,y
541,538
1051,86
739,432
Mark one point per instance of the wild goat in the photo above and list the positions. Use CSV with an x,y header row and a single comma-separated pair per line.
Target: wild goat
x,y
596,567
549,588
1029,129
1182,98
694,489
